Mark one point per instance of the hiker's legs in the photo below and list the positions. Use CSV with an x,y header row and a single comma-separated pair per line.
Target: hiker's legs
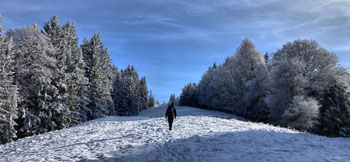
x,y
170,120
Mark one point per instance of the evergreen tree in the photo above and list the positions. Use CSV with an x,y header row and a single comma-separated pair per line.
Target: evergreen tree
x,y
163,104
157,103
1,31
116,91
128,100
226,87
151,100
8,91
210,88
257,89
214,65
54,31
188,96
47,82
172,99
266,58
97,62
143,93
35,65
177,100
335,111
300,87
113,76
77,93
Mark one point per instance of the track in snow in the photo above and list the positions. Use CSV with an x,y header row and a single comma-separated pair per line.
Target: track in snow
x,y
198,135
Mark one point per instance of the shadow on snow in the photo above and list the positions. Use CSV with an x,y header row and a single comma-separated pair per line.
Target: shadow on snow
x,y
252,145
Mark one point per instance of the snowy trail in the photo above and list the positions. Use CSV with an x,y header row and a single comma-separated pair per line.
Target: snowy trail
x,y
198,135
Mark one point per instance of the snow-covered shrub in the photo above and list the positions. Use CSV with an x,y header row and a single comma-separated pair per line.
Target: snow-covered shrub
x,y
302,113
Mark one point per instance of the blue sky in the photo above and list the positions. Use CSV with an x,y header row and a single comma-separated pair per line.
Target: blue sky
x,y
173,42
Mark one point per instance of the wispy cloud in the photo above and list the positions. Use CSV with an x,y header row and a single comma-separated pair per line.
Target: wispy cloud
x,y
173,42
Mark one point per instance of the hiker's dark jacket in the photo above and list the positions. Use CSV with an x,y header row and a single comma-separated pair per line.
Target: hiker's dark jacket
x,y
170,112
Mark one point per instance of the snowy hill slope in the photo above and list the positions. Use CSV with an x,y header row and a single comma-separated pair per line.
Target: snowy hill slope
x,y
198,135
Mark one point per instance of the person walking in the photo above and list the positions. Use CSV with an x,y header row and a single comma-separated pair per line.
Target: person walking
x,y
170,114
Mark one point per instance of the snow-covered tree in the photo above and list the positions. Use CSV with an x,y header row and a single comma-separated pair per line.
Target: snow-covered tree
x,y
54,31
286,80
253,100
163,104
245,64
77,93
302,113
35,65
224,87
300,87
172,99
203,88
97,62
207,87
143,93
266,58
126,90
151,100
188,96
8,113
319,64
177,100
110,72
300,68
335,109
247,60
214,66
8,91
1,31
49,83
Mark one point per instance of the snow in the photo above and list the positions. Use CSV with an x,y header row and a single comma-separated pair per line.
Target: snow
x,y
198,135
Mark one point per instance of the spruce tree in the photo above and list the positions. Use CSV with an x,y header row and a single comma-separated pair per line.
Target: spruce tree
x,y
143,93
151,100
35,65
77,93
214,65
335,111
188,96
207,89
8,91
128,100
172,99
97,62
54,31
113,76
266,58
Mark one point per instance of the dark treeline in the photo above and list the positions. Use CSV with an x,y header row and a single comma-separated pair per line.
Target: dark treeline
x,y
301,87
48,82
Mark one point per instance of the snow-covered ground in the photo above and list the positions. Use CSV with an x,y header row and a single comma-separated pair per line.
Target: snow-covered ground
x,y
198,135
